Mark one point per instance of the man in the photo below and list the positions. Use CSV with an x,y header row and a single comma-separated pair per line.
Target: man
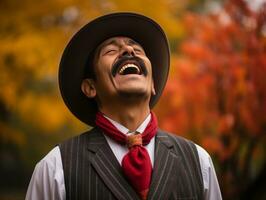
x,y
112,73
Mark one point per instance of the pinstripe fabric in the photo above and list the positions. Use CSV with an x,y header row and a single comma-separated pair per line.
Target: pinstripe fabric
x,y
92,172
177,173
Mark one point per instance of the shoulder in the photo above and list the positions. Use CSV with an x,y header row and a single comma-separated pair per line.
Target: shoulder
x,y
88,135
47,181
51,162
53,159
184,148
205,163
179,140
204,156
187,147
174,139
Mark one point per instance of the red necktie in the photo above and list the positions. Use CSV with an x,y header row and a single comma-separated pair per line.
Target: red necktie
x,y
136,164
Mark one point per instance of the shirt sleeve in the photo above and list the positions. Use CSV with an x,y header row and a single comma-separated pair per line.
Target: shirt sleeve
x,y
210,182
47,181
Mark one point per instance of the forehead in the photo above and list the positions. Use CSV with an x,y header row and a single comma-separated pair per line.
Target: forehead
x,y
118,41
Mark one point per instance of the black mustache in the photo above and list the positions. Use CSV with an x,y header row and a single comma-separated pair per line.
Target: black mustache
x,y
127,58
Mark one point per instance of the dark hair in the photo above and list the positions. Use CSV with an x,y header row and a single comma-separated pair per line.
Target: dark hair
x,y
89,71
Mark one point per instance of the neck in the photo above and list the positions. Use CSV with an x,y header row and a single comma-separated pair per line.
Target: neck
x,y
130,116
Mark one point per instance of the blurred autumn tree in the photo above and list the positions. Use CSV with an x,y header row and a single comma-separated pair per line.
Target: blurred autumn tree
x,y
31,114
216,94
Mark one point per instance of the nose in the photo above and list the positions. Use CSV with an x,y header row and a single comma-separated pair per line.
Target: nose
x,y
127,50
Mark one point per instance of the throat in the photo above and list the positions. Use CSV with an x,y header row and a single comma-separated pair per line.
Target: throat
x,y
128,116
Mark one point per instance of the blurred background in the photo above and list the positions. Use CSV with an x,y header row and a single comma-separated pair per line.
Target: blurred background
x,y
216,93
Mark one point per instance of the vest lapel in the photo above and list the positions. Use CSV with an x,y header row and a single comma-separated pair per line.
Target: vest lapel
x,y
108,168
163,172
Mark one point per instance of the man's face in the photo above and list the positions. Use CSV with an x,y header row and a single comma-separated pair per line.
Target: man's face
x,y
122,69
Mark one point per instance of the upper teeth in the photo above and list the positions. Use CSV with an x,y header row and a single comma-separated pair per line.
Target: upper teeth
x,y
127,66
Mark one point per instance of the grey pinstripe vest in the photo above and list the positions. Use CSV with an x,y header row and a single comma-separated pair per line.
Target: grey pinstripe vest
x,y
91,170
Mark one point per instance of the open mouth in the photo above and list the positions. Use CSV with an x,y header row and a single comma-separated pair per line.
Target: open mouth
x,y
129,69
127,66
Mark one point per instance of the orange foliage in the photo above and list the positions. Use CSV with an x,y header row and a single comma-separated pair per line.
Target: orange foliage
x,y
216,94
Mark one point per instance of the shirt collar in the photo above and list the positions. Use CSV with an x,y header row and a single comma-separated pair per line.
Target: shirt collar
x,y
125,130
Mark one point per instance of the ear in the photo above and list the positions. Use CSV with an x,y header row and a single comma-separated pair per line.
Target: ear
x,y
88,88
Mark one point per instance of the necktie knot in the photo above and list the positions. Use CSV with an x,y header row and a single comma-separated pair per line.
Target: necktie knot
x,y
134,140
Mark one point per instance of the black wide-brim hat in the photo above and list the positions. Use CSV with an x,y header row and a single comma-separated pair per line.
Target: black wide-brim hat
x,y
74,60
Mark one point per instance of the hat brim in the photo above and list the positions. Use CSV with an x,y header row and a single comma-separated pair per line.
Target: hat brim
x,y
142,29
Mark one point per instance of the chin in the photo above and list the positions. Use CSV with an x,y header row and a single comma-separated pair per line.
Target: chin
x,y
136,93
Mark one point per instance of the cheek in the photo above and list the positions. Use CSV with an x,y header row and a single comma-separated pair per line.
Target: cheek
x,y
101,70
149,68
104,67
147,63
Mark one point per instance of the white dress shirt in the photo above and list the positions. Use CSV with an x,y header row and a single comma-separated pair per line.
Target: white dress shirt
x,y
47,181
